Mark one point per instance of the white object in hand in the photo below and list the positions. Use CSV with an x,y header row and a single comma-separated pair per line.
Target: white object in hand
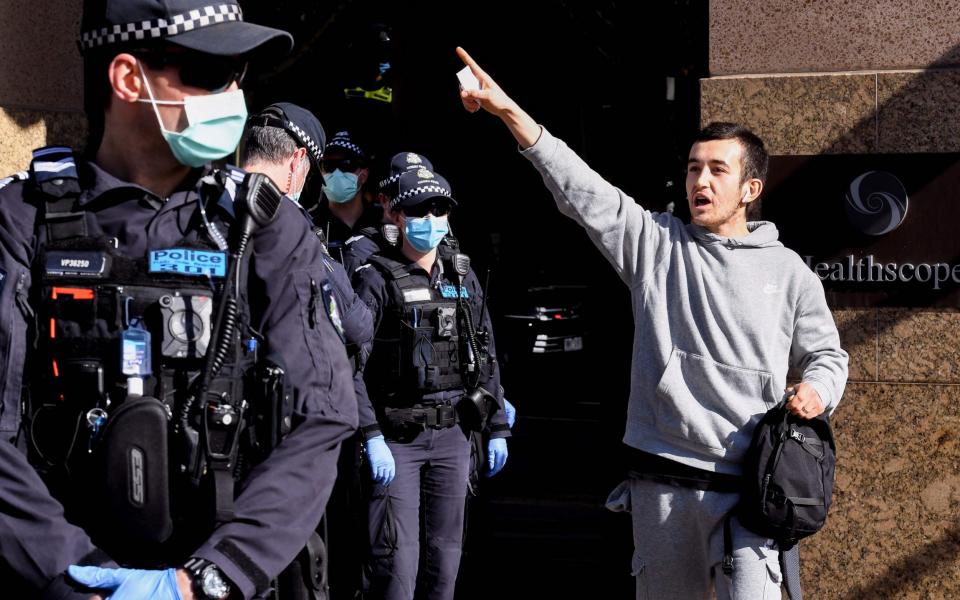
x,y
468,81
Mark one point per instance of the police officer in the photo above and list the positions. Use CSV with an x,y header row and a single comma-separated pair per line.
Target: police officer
x,y
141,293
432,381
345,169
285,142
372,239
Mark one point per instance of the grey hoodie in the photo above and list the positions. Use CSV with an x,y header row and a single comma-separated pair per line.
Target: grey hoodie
x,y
717,321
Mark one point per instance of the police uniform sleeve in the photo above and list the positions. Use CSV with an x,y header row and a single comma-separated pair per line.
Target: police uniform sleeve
x,y
354,314
284,497
357,332
497,428
372,291
36,542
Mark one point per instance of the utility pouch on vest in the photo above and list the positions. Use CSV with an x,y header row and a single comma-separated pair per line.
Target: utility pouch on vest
x,y
475,408
422,358
134,454
271,407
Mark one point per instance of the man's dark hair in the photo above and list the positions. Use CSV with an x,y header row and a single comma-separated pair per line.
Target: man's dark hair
x,y
268,144
755,158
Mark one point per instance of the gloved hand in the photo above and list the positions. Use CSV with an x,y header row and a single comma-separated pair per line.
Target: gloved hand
x,y
382,466
129,584
496,455
510,411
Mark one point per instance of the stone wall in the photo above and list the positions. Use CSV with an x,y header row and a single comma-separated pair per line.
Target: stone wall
x,y
866,77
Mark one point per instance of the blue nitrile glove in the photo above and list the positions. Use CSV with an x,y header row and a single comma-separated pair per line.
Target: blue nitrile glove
x,y
510,411
382,467
496,455
129,584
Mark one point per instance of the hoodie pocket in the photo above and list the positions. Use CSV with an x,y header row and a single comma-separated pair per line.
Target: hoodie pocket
x,y
709,403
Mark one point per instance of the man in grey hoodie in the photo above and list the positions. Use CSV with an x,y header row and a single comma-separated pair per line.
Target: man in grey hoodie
x,y
721,310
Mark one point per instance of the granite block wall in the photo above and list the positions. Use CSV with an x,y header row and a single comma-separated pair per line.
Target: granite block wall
x,y
866,77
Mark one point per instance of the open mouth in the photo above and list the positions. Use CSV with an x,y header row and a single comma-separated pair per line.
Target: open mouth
x,y
700,201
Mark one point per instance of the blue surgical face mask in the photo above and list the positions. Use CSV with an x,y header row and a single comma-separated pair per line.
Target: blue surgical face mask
x,y
425,233
340,187
215,125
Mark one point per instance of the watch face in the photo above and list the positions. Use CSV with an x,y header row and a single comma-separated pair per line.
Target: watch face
x,y
213,584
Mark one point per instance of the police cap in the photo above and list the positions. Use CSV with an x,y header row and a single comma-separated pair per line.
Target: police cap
x,y
210,26
418,186
399,164
344,141
299,122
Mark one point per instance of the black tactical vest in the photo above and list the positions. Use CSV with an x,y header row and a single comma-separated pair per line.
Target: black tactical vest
x,y
147,472
417,346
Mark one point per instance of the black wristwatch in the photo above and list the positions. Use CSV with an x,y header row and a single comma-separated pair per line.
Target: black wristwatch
x,y
208,582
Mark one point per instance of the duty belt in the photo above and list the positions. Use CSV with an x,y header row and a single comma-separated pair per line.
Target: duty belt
x,y
436,417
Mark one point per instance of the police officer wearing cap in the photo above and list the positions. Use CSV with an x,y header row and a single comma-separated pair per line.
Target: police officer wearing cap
x,y
432,381
373,239
174,393
345,168
285,142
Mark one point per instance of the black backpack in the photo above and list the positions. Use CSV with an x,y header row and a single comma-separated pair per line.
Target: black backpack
x,y
788,477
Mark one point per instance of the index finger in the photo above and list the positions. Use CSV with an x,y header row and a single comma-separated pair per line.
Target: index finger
x,y
467,60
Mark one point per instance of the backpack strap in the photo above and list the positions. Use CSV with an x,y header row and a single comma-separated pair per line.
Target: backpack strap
x,y
727,545
790,571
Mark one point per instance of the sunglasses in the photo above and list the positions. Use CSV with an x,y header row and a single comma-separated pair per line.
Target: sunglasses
x,y
199,70
346,165
437,207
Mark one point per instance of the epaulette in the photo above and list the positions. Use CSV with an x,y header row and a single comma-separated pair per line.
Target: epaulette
x,y
18,176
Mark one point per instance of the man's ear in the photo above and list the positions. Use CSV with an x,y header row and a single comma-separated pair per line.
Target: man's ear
x,y
754,188
125,78
362,175
296,158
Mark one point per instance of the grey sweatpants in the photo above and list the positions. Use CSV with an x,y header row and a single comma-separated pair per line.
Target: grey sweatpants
x,y
678,545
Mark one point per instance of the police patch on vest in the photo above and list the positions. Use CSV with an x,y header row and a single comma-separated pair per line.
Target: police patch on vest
x,y
417,295
448,290
333,310
85,264
187,261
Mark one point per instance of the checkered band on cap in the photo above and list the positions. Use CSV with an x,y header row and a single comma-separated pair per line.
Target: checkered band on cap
x,y
419,190
156,29
342,143
390,180
307,141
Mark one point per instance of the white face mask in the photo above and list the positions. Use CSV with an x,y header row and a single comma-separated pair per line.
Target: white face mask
x,y
214,124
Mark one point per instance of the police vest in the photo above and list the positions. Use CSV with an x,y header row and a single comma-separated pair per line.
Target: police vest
x,y
137,408
418,344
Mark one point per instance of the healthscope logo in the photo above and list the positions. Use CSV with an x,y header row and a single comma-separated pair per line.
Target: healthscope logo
x,y
876,202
